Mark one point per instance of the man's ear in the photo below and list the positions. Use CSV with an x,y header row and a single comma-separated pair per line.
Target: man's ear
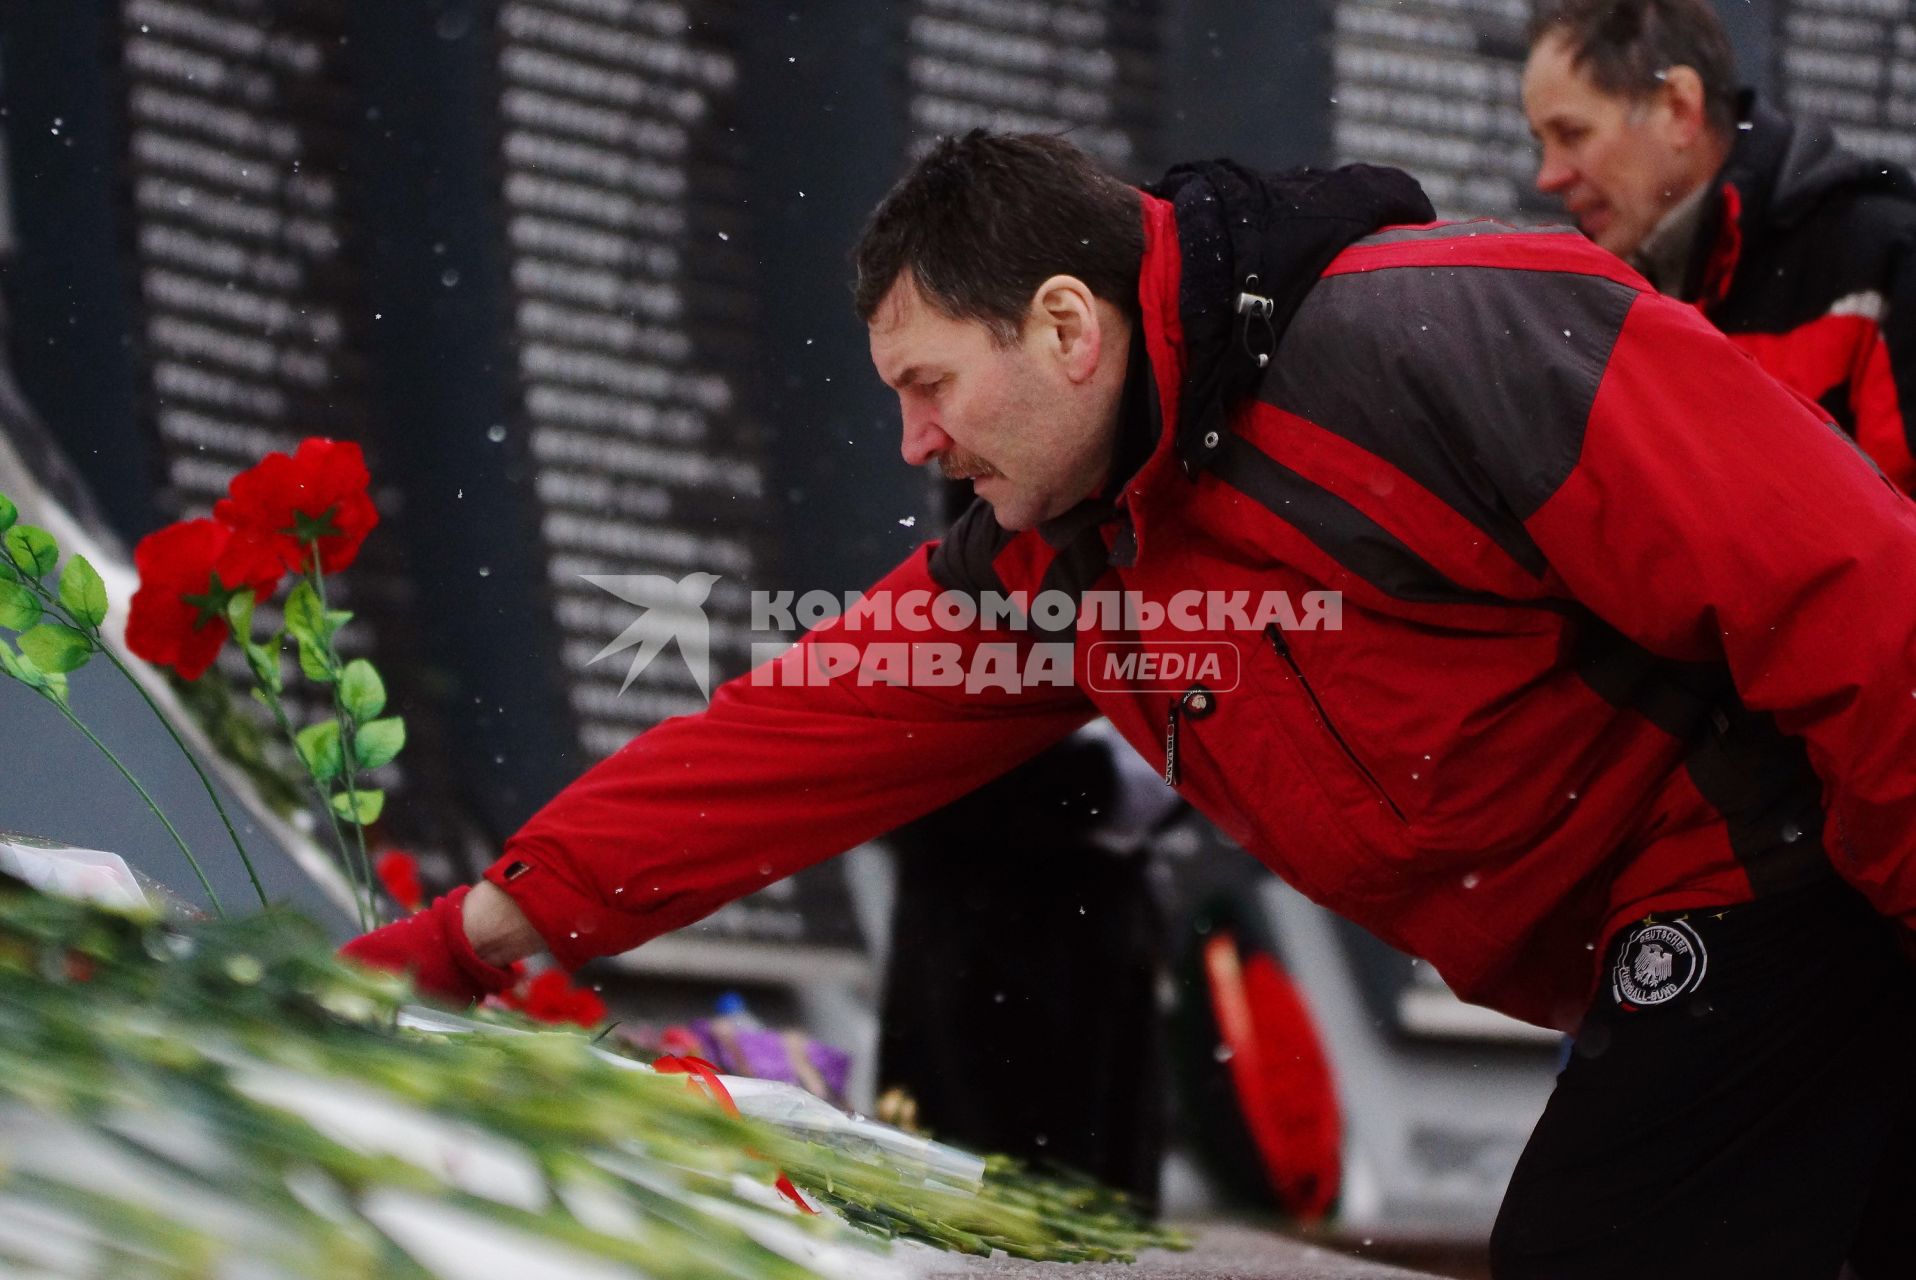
x,y
1681,96
1064,319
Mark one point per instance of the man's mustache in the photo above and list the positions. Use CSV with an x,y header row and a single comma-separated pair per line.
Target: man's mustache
x,y
956,464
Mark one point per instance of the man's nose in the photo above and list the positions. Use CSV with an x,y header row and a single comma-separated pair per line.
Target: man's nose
x,y
924,439
1553,175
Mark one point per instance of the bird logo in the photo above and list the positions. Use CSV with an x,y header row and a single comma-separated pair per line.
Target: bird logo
x,y
1654,965
670,610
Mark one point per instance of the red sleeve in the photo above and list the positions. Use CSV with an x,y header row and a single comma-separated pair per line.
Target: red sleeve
x,y
769,779
1886,382
1714,516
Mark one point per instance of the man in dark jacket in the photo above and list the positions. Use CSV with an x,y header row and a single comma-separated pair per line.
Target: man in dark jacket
x,y
1804,253
1488,596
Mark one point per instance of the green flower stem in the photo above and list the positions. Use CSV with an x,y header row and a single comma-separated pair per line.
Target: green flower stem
x,y
212,794
361,884
348,727
146,796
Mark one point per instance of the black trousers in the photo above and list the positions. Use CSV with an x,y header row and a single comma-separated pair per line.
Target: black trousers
x,y
1020,1005
1740,1102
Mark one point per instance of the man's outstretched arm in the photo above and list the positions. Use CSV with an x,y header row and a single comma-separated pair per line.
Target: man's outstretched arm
x,y
774,776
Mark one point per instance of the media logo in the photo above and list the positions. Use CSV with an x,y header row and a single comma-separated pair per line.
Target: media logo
x,y
671,611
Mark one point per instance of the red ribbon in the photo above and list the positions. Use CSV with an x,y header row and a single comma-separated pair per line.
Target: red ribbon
x,y
705,1076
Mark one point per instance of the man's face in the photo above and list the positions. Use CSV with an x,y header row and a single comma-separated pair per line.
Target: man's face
x,y
1615,162
1021,422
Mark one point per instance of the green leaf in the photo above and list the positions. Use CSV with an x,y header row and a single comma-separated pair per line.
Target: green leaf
x,y
335,619
305,616
265,665
371,805
313,661
32,550
55,648
362,691
319,750
82,592
377,741
239,615
22,668
19,607
7,572
8,512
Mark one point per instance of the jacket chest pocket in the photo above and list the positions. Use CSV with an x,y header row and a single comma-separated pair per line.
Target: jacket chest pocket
x,y
1333,736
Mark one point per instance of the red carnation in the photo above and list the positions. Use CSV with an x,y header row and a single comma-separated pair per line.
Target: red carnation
x,y
399,872
551,997
188,572
317,494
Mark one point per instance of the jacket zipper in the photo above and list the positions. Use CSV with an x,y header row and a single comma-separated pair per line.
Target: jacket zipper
x,y
1195,703
1276,637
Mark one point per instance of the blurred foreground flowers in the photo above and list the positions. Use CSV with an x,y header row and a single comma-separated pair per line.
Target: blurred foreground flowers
x,y
229,1098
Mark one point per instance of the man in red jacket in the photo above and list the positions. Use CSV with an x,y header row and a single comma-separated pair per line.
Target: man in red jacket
x,y
1804,253
1488,596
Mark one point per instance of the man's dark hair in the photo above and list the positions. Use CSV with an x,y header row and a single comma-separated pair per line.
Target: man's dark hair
x,y
1626,46
982,220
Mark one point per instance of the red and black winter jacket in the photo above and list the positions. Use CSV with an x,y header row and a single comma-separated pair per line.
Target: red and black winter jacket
x,y
1626,626
1806,257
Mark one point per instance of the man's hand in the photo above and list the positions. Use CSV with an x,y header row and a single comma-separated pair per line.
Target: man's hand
x,y
456,948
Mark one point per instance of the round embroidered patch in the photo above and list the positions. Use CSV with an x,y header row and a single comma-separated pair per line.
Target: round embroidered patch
x,y
1658,963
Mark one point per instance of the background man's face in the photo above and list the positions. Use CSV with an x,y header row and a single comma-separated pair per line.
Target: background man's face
x,y
1002,417
1610,159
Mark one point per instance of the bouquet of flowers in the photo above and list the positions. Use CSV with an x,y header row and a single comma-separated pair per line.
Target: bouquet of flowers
x,y
302,517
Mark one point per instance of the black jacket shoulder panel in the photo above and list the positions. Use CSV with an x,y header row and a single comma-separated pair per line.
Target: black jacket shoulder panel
x,y
1476,382
1812,167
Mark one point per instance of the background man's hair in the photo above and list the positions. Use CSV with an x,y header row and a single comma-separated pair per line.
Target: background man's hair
x,y
1625,46
982,220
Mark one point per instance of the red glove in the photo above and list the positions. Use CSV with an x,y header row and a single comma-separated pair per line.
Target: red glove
x,y
432,946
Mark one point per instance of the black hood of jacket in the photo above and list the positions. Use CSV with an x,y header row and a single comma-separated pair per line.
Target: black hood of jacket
x,y
1265,234
1784,168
